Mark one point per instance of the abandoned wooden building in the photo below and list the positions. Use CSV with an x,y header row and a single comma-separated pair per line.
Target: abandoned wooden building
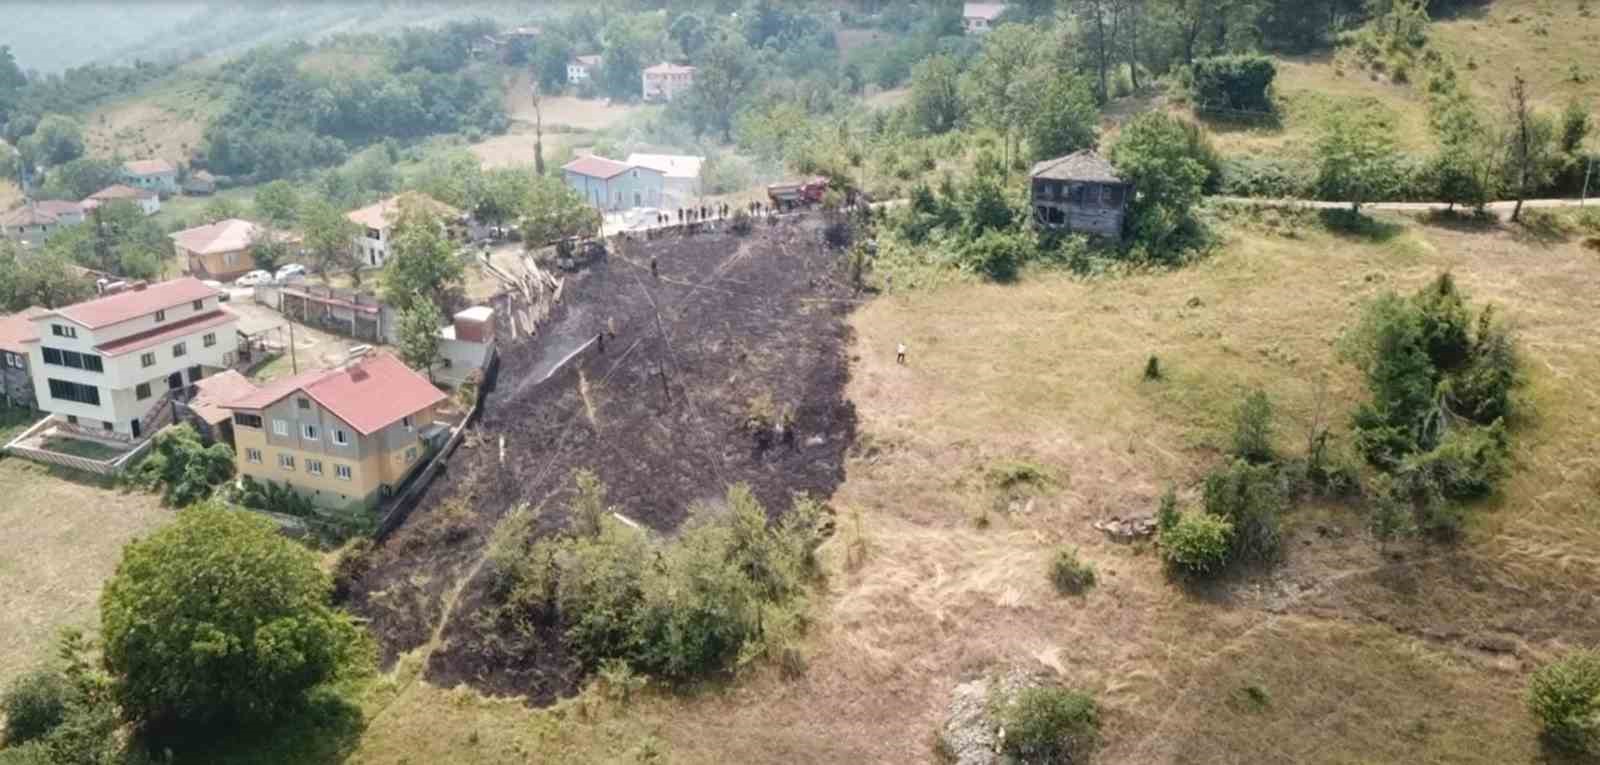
x,y
1080,192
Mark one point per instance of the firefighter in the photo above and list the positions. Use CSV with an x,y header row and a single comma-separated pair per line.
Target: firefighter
x,y
656,273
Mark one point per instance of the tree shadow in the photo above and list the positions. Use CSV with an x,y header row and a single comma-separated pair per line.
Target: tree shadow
x,y
325,731
1350,224
1460,220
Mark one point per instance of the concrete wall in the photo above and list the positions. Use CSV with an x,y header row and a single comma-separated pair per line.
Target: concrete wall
x,y
637,187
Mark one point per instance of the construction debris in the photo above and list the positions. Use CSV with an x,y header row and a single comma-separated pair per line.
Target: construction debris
x,y
1128,529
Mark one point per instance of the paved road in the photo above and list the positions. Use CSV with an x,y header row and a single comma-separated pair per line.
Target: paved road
x,y
1500,209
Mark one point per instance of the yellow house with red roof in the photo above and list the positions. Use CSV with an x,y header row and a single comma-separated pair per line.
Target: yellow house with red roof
x,y
343,437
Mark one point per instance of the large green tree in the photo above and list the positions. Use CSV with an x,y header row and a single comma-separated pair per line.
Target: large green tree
x,y
44,277
1065,120
726,77
57,139
330,238
552,211
219,620
422,262
1355,161
1003,84
936,102
279,203
1155,153
419,335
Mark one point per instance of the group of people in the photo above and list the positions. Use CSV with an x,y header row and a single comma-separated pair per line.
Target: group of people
x,y
695,214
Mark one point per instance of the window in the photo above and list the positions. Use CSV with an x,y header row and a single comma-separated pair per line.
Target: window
x,y
141,391
314,467
303,403
252,455
147,359
342,471
62,390
106,426
411,455
52,356
230,259
286,461
200,305
247,420
340,437
72,419
161,315
73,359
61,330
309,432
280,427
406,422
209,340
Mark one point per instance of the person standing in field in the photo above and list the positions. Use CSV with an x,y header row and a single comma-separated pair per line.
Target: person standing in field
x,y
900,353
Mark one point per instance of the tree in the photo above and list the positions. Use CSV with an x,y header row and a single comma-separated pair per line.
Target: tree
x,y
1156,154
689,32
1240,82
222,208
501,194
1003,83
1065,120
552,211
419,335
12,81
57,139
219,620
183,467
278,203
936,102
1355,161
43,278
422,262
79,178
1565,696
725,78
330,238
1459,172
1528,144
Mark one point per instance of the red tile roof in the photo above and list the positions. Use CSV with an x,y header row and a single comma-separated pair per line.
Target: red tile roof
x,y
17,329
670,69
213,393
122,191
166,332
28,215
148,167
370,394
231,235
596,166
59,207
114,309
385,212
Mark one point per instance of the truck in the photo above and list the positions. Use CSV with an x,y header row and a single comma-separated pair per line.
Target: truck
x,y
790,195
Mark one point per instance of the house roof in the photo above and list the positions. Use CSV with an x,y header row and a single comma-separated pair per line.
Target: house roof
x,y
385,212
122,191
370,394
148,167
1086,165
670,165
203,176
165,332
59,207
596,166
28,215
17,329
590,60
212,394
985,11
229,235
670,69
114,309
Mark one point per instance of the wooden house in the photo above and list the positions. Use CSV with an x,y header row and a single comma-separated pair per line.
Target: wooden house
x,y
1080,192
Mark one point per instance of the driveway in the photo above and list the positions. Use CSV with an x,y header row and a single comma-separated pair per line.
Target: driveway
x,y
312,347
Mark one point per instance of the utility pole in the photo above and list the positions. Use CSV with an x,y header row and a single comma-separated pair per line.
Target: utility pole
x,y
1584,201
294,365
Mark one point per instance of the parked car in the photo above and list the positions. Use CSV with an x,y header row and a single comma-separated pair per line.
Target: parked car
x,y
293,269
252,279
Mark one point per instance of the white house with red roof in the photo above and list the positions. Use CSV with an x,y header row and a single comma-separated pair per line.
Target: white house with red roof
x,y
156,175
149,201
979,18
343,438
102,365
664,82
611,185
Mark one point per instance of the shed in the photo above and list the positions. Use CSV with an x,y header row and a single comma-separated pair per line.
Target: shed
x,y
1080,192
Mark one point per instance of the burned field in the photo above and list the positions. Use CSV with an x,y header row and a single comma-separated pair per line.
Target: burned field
x,y
727,327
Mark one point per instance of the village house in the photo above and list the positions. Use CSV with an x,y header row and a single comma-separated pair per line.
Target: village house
x,y
664,82
16,380
466,345
35,222
581,68
220,251
680,175
156,175
1080,192
103,365
611,185
343,438
979,18
149,202
200,183
377,223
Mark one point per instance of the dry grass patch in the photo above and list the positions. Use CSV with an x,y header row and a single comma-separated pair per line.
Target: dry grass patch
x,y
168,121
1554,44
63,537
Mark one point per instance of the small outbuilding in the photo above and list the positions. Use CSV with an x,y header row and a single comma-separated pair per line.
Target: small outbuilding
x,y
1080,192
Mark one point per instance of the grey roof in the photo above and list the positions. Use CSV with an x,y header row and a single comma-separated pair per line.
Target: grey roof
x,y
1086,165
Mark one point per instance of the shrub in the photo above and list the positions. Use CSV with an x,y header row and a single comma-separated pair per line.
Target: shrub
x,y
1270,177
273,497
197,643
1070,575
1251,499
355,560
997,255
1565,696
34,705
1252,428
1152,369
1050,725
1167,514
1240,82
1466,464
181,463
1198,544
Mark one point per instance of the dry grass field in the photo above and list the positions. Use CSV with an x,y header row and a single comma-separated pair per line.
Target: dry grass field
x,y
1339,655
63,537
167,121
10,195
1554,44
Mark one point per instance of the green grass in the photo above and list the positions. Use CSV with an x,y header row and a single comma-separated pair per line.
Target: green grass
x,y
190,210
14,420
81,448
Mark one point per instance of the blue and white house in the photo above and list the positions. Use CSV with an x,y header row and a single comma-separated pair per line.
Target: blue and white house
x,y
607,184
